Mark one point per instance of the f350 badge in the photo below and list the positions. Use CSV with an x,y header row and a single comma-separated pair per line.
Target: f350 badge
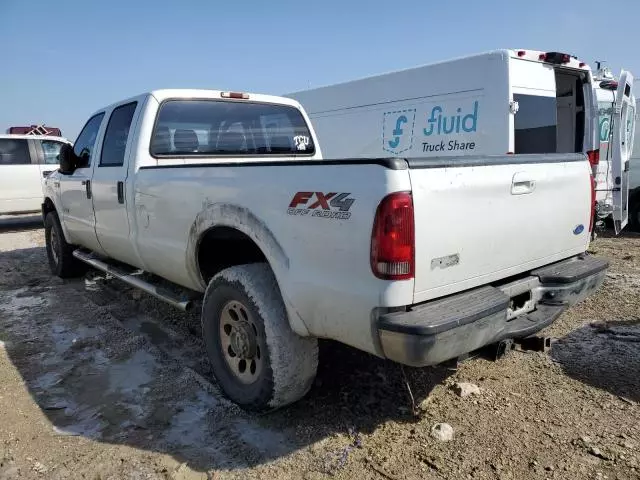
x,y
323,205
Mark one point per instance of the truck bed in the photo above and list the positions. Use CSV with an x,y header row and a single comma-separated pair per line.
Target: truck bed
x,y
478,220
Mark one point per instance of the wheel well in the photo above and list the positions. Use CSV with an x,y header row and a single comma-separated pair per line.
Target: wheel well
x,y
224,247
48,206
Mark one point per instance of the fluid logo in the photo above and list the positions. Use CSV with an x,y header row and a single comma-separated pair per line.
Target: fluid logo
x,y
438,123
397,131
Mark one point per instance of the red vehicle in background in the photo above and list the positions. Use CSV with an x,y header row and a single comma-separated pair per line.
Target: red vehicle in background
x,y
35,130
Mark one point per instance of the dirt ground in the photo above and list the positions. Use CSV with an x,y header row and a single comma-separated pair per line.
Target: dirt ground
x,y
99,381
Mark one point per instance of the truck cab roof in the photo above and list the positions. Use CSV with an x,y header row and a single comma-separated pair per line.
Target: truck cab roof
x,y
166,94
162,95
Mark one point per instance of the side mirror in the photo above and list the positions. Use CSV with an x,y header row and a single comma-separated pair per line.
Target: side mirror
x,y
67,159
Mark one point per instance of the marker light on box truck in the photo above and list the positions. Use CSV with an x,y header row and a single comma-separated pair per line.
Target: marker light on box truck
x,y
393,238
556,58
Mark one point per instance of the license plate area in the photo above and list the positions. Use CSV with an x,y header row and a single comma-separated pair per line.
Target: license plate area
x,y
521,296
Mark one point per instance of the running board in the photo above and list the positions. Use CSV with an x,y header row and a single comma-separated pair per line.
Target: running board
x,y
158,292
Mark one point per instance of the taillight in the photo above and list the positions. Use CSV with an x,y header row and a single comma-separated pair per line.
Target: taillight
x,y
592,182
392,238
594,157
521,53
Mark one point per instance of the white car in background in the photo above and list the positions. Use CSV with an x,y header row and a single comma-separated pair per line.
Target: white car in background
x,y
25,161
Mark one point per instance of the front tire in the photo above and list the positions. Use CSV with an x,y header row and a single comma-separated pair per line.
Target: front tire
x,y
259,362
59,252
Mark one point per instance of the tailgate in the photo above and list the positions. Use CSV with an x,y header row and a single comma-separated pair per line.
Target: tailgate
x,y
483,219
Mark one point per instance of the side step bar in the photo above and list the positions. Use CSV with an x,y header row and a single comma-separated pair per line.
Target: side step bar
x,y
160,293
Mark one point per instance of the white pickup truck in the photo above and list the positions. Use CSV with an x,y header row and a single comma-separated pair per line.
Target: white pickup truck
x,y
226,194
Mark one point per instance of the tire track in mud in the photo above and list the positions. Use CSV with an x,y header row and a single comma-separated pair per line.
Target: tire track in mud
x,y
100,368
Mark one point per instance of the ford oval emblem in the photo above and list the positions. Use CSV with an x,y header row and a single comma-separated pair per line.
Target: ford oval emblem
x,y
578,230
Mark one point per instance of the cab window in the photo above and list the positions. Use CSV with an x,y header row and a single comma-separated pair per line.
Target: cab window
x,y
50,151
86,141
115,138
14,151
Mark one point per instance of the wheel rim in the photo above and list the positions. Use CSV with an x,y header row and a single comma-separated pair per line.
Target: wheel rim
x,y
53,239
239,342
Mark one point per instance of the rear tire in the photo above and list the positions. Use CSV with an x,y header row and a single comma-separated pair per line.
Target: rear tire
x,y
59,252
259,362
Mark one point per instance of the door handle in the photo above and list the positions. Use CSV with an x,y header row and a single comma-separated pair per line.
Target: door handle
x,y
522,184
87,185
120,192
46,173
522,187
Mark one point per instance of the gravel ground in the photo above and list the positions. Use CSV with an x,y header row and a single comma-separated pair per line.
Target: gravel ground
x,y
100,381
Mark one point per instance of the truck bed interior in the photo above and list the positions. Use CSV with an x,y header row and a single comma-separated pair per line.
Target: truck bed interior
x,y
547,124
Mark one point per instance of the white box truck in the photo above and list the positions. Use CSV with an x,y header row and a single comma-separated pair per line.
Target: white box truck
x,y
506,101
495,103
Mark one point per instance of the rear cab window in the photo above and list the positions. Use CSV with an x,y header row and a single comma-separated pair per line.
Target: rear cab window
x,y
229,128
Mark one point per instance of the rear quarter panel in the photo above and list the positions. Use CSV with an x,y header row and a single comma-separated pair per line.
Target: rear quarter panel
x,y
321,264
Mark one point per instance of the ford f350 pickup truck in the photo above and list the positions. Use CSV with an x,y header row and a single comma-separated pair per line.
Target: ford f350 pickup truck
x,y
226,194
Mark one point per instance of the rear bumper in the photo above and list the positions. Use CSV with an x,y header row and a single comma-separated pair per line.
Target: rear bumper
x,y
436,331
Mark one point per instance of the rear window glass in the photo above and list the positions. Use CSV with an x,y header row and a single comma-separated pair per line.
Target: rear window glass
x,y
215,127
535,124
14,151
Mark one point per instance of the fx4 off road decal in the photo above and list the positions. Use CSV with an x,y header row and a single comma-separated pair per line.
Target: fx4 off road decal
x,y
323,205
